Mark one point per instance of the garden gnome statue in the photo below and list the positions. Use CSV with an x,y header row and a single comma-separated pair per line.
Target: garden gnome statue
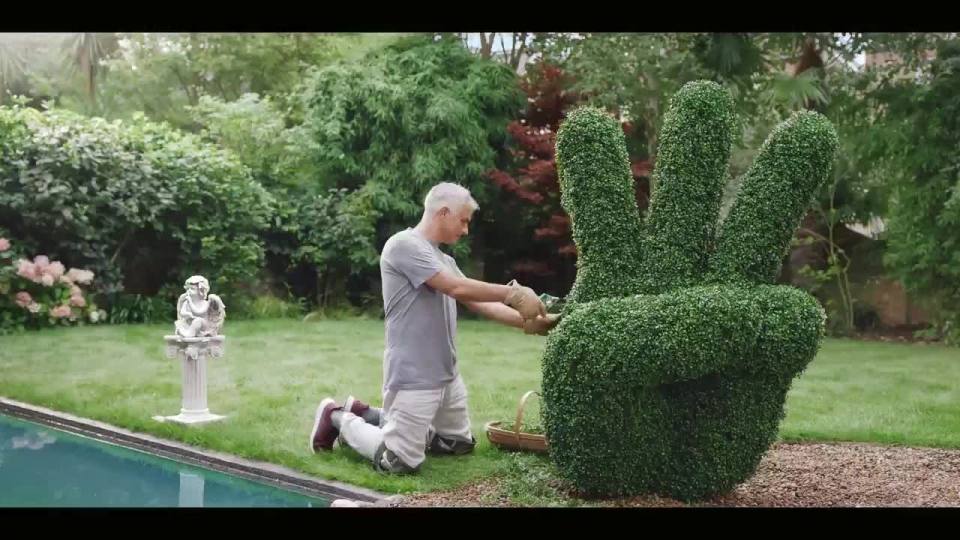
x,y
200,317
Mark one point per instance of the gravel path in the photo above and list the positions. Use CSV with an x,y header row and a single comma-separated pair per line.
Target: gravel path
x,y
845,474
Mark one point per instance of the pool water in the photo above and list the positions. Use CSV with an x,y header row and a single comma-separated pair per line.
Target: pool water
x,y
44,467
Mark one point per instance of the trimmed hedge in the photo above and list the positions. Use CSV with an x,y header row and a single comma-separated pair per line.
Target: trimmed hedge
x,y
669,371
591,159
689,179
775,194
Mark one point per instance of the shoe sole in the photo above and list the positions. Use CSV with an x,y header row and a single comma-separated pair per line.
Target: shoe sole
x,y
348,404
316,421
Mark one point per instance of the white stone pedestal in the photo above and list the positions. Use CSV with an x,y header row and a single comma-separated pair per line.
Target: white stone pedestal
x,y
193,353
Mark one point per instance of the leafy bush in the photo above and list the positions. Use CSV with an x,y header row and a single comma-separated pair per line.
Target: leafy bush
x,y
866,318
255,130
669,370
339,313
320,240
319,236
137,308
267,306
923,248
409,116
140,204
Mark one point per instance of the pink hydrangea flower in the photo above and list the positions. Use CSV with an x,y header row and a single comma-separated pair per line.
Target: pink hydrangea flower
x,y
27,269
4,244
42,261
75,291
77,301
80,276
23,299
34,307
47,280
56,269
60,312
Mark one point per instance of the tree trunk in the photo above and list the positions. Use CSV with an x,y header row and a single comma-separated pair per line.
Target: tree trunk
x,y
486,44
517,48
321,289
810,58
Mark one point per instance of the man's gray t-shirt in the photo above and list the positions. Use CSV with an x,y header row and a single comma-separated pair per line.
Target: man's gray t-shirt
x,y
421,322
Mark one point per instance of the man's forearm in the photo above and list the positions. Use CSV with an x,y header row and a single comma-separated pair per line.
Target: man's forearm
x,y
465,290
497,312
472,290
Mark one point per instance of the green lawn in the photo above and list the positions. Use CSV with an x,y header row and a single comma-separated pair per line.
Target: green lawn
x,y
276,371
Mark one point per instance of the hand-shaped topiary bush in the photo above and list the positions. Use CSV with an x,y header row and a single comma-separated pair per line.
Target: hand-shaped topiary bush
x,y
669,371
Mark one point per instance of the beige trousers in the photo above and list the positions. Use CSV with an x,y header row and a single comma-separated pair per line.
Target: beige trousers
x,y
410,420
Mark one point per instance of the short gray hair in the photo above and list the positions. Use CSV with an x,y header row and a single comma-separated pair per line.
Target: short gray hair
x,y
450,195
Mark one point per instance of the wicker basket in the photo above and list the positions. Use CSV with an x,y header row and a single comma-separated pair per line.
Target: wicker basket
x,y
514,439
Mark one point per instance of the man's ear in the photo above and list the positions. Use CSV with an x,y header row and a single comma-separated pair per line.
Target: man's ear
x,y
443,211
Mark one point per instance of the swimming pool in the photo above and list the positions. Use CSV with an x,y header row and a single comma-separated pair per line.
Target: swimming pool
x,y
45,467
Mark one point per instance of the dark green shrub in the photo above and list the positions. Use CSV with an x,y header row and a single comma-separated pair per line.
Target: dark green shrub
x,y
140,204
406,117
866,318
669,371
136,308
922,248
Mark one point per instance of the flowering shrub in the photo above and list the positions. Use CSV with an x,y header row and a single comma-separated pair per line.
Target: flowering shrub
x,y
40,292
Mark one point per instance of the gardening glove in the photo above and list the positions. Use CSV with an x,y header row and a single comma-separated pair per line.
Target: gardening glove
x,y
524,300
541,325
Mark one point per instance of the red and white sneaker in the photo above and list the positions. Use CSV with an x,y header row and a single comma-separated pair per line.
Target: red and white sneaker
x,y
324,433
355,406
370,415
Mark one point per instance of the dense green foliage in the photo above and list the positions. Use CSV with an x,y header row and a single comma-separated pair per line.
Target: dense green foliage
x,y
138,203
410,116
385,116
922,128
669,371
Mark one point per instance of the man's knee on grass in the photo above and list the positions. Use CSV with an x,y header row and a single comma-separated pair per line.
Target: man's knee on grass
x,y
450,446
386,461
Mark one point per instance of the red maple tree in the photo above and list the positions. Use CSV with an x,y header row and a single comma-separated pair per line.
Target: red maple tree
x,y
534,179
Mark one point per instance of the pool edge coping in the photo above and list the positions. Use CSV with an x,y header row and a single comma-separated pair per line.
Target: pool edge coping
x,y
259,471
